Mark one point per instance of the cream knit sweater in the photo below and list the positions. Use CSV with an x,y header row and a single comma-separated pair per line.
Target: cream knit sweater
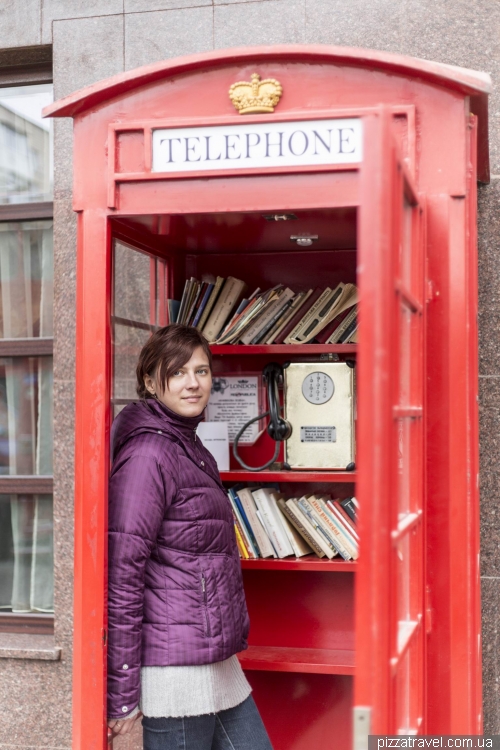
x,y
192,691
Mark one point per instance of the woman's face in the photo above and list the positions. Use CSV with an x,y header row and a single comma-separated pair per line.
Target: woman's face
x,y
188,390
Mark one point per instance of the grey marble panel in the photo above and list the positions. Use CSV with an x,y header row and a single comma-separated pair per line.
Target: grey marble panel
x,y
150,37
489,424
489,278
53,10
20,23
490,591
140,6
490,522
64,289
265,22
86,50
375,25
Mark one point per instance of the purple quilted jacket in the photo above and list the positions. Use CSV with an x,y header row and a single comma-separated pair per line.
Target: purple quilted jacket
x,y
175,591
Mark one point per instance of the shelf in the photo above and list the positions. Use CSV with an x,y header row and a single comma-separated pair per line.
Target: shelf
x,y
309,562
284,349
312,660
260,477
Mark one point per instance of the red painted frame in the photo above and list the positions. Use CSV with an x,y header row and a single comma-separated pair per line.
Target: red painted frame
x,y
356,80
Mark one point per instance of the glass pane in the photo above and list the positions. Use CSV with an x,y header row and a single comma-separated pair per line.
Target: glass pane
x,y
128,342
132,284
26,415
26,170
26,279
26,553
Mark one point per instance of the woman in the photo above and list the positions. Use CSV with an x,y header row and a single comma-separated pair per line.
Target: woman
x,y
176,607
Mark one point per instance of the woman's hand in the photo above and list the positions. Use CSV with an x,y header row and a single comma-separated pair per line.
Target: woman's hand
x,y
123,726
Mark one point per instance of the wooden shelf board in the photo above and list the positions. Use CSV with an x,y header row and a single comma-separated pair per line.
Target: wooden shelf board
x,y
259,477
308,562
284,349
312,660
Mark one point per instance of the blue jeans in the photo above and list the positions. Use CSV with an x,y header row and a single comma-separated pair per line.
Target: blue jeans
x,y
238,728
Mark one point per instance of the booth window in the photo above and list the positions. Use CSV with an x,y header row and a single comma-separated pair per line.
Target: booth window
x,y
26,344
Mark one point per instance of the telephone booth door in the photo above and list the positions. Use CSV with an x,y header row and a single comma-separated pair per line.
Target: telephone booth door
x,y
390,624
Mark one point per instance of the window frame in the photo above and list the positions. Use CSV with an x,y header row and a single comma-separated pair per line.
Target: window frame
x,y
26,67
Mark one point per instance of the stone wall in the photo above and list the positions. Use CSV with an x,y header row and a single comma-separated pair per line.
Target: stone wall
x,y
94,39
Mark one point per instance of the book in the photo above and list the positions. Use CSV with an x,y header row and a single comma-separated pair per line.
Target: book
x,y
270,513
309,300
266,549
300,528
344,295
296,336
240,524
184,298
269,307
273,314
332,529
173,306
350,507
337,334
239,541
228,299
210,302
331,532
303,514
248,528
195,302
348,520
330,328
351,328
239,322
299,546
205,296
334,516
193,290
279,326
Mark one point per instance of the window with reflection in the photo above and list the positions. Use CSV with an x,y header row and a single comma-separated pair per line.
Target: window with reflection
x,y
26,372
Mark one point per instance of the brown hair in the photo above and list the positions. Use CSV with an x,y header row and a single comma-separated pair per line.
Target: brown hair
x,y
167,350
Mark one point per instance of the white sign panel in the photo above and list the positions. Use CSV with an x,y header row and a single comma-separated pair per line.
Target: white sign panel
x,y
235,400
266,144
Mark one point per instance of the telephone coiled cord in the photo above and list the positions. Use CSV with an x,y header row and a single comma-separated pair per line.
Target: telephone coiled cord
x,y
235,446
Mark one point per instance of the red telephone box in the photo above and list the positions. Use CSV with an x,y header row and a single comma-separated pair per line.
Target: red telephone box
x,y
338,650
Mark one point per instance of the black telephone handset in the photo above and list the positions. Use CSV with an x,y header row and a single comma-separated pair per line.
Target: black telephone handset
x,y
278,428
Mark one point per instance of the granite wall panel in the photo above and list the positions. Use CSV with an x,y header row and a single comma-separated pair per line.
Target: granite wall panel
x,y
20,23
268,22
54,10
141,6
491,654
150,37
375,25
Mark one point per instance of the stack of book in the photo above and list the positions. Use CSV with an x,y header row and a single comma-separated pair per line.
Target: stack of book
x,y
268,524
218,307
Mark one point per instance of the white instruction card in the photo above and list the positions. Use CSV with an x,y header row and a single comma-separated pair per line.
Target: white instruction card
x,y
235,400
214,437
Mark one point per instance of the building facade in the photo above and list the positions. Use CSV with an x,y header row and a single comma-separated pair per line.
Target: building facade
x,y
86,42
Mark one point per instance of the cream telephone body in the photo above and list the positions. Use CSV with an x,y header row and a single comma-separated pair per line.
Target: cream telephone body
x,y
318,422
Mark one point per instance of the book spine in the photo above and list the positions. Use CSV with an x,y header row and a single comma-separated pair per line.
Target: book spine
x,y
203,304
350,542
211,302
309,299
349,508
322,336
246,522
323,315
293,338
239,541
271,526
309,512
301,529
348,331
348,520
260,321
342,327
282,311
248,503
187,287
283,322
242,529
222,309
334,532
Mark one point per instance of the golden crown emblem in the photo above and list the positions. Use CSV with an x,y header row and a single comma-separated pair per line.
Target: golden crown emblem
x,y
255,96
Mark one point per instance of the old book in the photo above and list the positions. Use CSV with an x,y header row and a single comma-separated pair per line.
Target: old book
x,y
284,320
239,322
228,299
271,302
195,303
335,515
350,507
204,297
350,331
247,500
310,298
252,551
239,541
184,299
173,306
335,528
302,539
296,336
310,526
274,314
272,517
331,532
330,328
348,520
210,302
336,335
344,295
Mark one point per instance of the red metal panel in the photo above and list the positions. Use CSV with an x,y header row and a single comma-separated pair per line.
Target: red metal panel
x,y
91,473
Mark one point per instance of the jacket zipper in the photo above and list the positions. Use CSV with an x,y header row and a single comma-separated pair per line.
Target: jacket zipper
x,y
205,604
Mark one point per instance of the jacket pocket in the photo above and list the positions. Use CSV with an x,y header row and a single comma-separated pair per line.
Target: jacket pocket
x,y
205,604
